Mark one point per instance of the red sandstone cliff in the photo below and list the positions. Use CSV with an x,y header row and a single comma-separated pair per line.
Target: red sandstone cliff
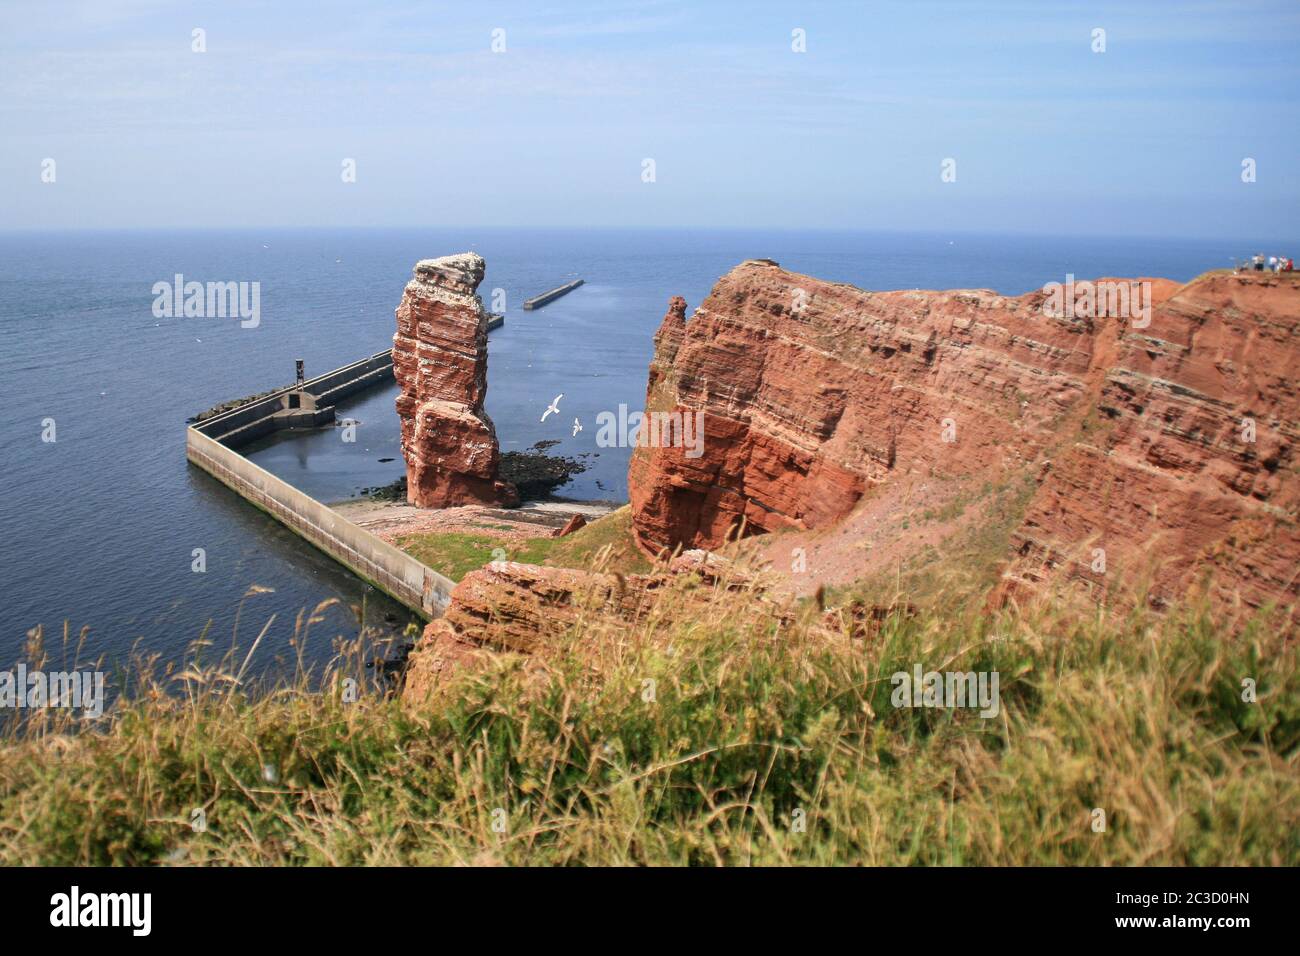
x,y
814,393
1185,472
830,411
440,362
538,611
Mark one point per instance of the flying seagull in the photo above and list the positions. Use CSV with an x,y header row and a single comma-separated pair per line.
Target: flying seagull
x,y
553,407
577,426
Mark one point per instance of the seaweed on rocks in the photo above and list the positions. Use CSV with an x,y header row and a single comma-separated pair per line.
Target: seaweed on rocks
x,y
394,491
535,474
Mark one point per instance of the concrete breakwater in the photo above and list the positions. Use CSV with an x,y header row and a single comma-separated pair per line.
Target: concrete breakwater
x,y
298,406
537,301
210,445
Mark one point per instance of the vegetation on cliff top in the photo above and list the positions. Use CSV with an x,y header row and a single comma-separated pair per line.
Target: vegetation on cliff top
x,y
729,738
456,553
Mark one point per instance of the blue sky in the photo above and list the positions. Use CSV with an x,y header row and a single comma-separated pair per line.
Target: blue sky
x,y
1146,138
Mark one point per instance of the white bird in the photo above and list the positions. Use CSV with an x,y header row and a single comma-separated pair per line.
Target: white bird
x,y
553,407
577,426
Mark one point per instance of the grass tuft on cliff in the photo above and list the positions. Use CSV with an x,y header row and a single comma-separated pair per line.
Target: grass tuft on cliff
x,y
735,737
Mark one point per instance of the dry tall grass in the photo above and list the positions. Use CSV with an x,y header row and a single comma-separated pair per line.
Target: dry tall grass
x,y
739,736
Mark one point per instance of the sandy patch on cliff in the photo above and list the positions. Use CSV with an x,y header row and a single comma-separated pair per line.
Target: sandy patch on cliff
x,y
918,536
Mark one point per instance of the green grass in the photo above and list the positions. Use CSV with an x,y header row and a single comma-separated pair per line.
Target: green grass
x,y
452,553
456,553
613,531
750,727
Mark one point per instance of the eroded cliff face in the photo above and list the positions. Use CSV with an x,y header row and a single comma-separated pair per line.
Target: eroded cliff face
x,y
837,415
440,362
541,611
1184,473
814,393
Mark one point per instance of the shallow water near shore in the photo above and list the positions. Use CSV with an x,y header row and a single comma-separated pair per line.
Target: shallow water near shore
x,y
101,524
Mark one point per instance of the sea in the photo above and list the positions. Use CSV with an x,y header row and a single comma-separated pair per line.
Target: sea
x,y
103,518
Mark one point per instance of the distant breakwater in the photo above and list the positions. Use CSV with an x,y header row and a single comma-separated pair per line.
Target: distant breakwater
x,y
537,301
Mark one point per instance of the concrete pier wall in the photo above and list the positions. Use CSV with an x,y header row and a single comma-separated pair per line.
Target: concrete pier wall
x,y
350,379
257,418
419,588
243,424
211,445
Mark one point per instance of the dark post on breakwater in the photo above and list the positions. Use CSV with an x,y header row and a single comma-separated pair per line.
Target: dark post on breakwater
x,y
537,301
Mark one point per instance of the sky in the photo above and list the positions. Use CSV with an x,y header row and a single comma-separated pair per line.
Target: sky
x,y
1046,133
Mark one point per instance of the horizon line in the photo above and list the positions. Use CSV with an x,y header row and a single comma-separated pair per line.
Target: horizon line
x,y
1012,233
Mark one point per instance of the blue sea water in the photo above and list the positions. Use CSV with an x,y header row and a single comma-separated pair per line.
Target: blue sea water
x,y
99,526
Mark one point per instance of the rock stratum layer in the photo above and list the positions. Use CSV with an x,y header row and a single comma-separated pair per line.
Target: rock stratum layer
x,y
1186,469
440,362
826,407
540,611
